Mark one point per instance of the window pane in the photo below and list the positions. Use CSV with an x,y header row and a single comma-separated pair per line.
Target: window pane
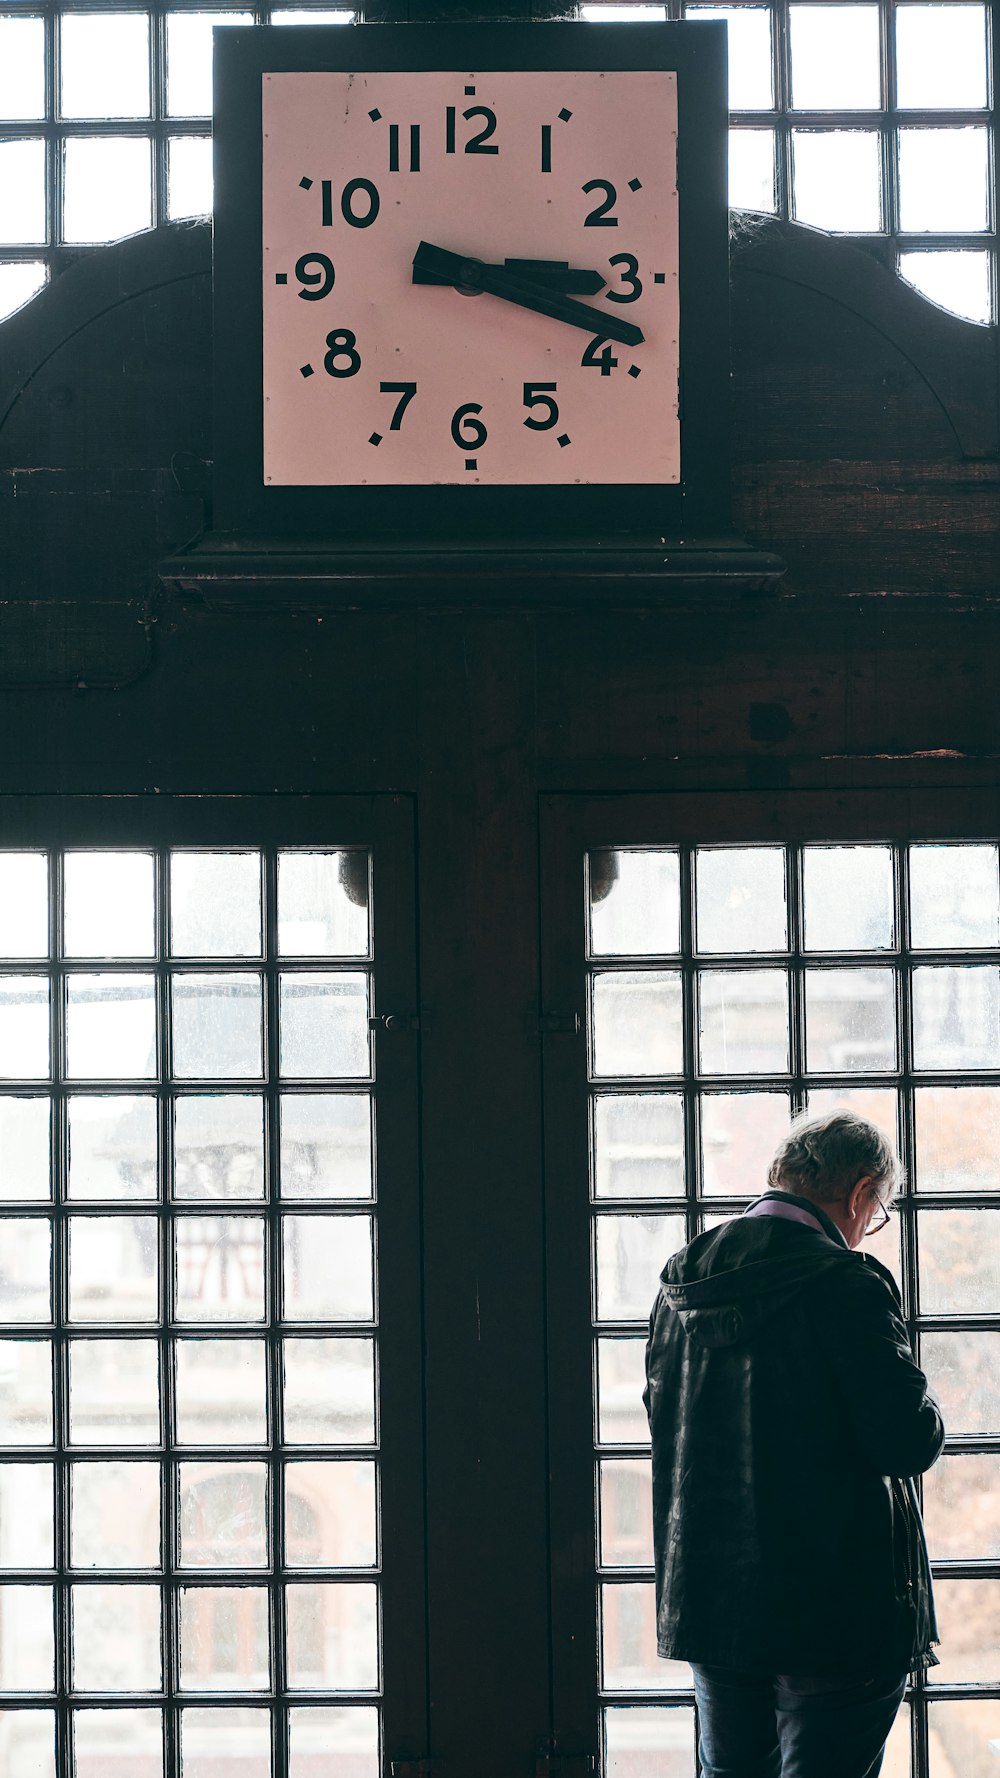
x,y
749,40
113,1741
848,894
629,1662
957,1138
328,1268
323,904
24,1027
298,16
24,1148
27,1743
217,1027
739,1134
114,1396
954,896
956,1017
189,59
631,1252
323,1026
835,57
836,181
26,1269
751,170
104,64
962,1506
850,1020
639,1145
24,887
968,1613
219,1146
19,281
321,1741
108,904
959,282
25,1392
329,1391
960,1738
964,1373
635,903
110,1027
330,1517
625,1523
637,1022
743,1021
943,179
223,1515
22,68
740,899
115,1515
221,1397
219,1268
22,192
225,1641
621,1378
107,188
657,1741
941,56
27,1537
332,1636
959,1261
214,896
112,1146
27,1639
113,1273
326,1145
190,185
878,1104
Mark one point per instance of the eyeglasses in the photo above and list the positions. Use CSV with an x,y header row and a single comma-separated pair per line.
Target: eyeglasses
x,y
878,1219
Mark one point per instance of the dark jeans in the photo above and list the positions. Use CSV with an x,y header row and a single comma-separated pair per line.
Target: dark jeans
x,y
756,1725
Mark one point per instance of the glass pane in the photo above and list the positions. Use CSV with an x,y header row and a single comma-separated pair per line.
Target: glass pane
x,y
332,1636
639,1145
190,191
27,1639
109,1742
219,1146
24,1148
835,63
20,280
115,1515
739,1134
330,1513
328,1268
217,1027
107,187
962,1506
22,192
963,1369
959,282
886,1247
189,64
877,1104
968,1613
114,1396
751,170
27,1743
850,1021
961,1738
327,1743
25,1392
326,1145
941,56
848,898
22,71
740,899
625,1492
743,1021
635,903
116,1638
956,1017
896,1763
959,1261
621,1379
110,1027
224,1639
27,1537
954,896
749,41
112,1147
215,900
26,1269
837,180
24,876
294,15
221,1392
657,1741
104,66
113,1273
323,904
637,1022
329,1393
219,1273
957,1138
631,1253
223,1515
323,1026
108,897
944,179
24,1027
629,1662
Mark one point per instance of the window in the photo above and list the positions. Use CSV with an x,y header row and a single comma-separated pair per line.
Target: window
x,y
192,1432
726,986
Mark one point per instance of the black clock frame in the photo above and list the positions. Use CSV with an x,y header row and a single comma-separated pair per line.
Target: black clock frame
x,y
350,517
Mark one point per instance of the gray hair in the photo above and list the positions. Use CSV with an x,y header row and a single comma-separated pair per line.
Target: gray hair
x,y
824,1157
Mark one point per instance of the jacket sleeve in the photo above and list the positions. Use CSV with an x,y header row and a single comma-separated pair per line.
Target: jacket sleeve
x,y
864,1340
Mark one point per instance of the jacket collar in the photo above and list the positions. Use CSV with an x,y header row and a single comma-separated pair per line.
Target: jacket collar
x,y
812,1209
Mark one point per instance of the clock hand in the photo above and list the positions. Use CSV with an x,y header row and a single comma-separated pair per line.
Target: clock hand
x,y
554,274
472,274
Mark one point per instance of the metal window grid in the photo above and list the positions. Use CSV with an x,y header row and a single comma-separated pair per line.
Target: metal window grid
x,y
168,1452
695,1205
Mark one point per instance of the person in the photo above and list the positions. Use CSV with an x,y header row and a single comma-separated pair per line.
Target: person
x,y
788,1416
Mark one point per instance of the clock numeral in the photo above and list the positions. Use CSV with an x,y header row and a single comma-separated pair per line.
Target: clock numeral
x,y
604,361
352,189
479,143
599,217
315,285
342,343
468,432
546,148
540,395
629,277
394,148
406,392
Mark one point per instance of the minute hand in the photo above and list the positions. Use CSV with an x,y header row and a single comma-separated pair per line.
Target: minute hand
x,y
472,274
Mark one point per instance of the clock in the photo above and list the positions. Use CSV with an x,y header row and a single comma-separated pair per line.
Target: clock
x,y
471,281
470,277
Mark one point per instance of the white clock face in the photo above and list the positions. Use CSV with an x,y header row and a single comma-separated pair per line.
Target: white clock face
x,y
375,377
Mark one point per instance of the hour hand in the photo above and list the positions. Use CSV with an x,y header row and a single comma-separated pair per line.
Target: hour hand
x,y
552,274
472,274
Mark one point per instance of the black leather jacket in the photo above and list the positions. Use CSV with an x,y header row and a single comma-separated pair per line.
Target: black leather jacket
x,y
787,1413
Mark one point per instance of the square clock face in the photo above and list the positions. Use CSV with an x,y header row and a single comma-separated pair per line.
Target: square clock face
x,y
535,339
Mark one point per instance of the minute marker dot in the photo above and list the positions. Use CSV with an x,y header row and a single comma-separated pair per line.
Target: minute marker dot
x,y
306,370
305,184
635,185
